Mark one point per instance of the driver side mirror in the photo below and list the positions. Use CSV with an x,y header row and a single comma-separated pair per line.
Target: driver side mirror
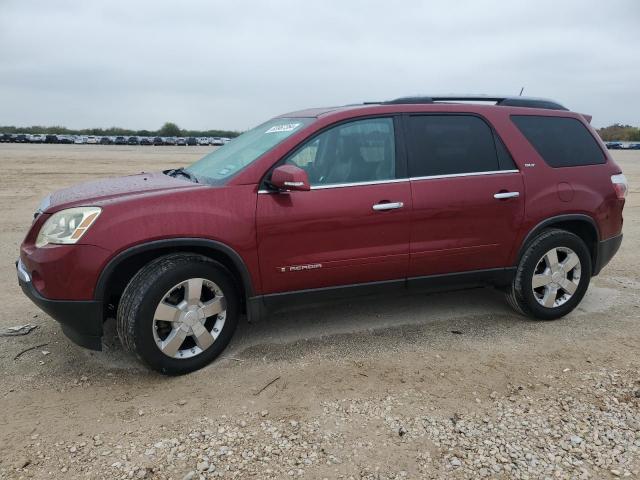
x,y
290,177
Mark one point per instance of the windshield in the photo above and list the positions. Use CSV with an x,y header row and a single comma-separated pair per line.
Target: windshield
x,y
234,156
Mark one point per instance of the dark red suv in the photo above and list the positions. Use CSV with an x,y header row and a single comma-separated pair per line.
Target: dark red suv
x,y
519,193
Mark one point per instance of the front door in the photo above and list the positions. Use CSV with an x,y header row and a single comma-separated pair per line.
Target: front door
x,y
352,227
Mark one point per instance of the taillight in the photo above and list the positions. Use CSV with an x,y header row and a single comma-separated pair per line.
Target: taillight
x,y
620,184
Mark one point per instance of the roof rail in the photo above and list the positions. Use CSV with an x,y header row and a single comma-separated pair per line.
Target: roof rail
x,y
506,101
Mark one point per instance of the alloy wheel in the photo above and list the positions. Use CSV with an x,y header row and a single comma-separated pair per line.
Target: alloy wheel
x,y
556,277
189,318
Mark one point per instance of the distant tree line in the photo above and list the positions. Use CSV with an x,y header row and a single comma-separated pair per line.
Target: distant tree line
x,y
167,130
624,133
611,133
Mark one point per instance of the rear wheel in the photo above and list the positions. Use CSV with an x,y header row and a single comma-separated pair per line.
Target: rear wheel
x,y
178,312
552,277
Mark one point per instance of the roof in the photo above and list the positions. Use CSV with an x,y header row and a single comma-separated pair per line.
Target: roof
x,y
310,112
495,100
500,100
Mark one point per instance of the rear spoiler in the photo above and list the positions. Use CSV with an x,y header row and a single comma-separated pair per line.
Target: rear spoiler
x,y
587,117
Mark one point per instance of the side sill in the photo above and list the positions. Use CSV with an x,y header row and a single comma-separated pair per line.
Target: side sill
x,y
314,295
500,277
258,307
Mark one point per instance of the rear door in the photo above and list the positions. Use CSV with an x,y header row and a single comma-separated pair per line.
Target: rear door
x,y
468,195
352,226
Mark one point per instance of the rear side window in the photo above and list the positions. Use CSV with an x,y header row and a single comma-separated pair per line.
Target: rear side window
x,y
450,144
560,141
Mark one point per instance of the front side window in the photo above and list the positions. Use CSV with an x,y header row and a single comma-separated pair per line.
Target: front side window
x,y
358,151
226,161
450,144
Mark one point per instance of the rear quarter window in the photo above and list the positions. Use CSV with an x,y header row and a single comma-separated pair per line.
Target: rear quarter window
x,y
560,141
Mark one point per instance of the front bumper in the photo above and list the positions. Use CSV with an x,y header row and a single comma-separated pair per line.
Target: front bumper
x,y
81,320
606,250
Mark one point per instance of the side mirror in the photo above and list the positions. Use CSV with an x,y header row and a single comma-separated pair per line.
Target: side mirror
x,y
290,177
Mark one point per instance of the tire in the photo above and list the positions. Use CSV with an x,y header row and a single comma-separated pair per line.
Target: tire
x,y
160,291
570,283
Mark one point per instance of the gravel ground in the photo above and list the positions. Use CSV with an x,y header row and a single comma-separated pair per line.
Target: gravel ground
x,y
452,385
554,433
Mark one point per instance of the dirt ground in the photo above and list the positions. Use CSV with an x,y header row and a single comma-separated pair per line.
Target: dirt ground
x,y
448,385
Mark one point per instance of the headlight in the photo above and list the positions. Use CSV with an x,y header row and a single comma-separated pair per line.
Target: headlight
x,y
67,226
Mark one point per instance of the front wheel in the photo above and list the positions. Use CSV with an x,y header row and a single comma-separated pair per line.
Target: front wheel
x,y
178,313
552,277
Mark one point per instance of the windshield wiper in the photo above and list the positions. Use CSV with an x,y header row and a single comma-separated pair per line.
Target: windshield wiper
x,y
181,171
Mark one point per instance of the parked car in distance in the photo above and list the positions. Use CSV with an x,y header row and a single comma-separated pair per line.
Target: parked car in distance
x,y
106,141
634,146
614,145
158,141
415,193
91,139
226,140
36,138
203,141
51,138
79,140
146,141
68,139
192,141
217,141
133,140
21,138
170,140
5,138
181,141
120,140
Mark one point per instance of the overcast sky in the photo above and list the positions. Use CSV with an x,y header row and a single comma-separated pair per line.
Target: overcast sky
x,y
229,65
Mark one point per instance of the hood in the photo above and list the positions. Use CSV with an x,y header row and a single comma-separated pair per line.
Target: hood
x,y
100,191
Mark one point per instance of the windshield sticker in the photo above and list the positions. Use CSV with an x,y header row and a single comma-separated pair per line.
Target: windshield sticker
x,y
287,127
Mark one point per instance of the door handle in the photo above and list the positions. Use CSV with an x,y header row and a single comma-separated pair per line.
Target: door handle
x,y
387,206
504,195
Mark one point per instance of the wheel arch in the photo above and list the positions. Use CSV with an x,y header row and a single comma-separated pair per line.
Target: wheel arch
x,y
581,225
121,268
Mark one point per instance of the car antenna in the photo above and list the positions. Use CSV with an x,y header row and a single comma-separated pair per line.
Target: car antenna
x,y
521,90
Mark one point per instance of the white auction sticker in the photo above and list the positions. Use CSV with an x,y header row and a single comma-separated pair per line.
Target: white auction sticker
x,y
287,127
